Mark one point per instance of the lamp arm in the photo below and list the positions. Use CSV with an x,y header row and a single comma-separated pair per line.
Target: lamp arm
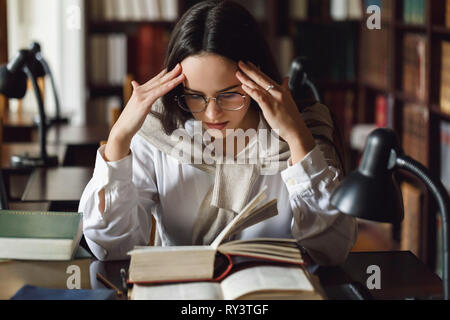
x,y
43,120
442,198
3,196
52,80
313,89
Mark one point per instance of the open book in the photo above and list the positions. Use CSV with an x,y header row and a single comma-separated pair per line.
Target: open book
x,y
184,263
256,283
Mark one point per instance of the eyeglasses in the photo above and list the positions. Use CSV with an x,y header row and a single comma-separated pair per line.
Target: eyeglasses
x,y
230,101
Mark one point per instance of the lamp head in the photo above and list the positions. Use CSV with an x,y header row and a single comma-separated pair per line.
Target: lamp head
x,y
35,64
371,192
13,80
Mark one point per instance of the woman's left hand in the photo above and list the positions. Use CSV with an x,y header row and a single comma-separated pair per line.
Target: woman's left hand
x,y
278,107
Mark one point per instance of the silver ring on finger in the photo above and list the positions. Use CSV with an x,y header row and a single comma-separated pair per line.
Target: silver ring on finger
x,y
270,87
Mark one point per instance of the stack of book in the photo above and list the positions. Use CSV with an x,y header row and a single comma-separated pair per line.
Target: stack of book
x,y
445,77
415,132
414,11
414,66
133,10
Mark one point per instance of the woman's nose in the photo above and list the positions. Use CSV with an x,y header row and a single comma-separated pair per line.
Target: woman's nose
x,y
212,109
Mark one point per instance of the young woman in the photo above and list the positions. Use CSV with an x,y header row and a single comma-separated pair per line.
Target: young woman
x,y
219,74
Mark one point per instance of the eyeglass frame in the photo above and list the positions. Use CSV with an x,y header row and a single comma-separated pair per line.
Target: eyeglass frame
x,y
208,99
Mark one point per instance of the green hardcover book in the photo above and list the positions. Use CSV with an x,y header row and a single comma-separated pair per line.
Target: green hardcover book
x,y
33,235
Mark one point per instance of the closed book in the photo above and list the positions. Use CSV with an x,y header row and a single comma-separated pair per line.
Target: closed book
x,y
29,292
32,235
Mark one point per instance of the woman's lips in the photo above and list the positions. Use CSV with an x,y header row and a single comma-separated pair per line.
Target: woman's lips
x,y
218,126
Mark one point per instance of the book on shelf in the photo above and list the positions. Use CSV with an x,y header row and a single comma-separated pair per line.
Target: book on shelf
x,y
415,132
100,109
197,262
34,235
147,50
384,5
374,61
108,59
133,10
260,282
341,105
384,111
412,223
414,11
445,78
447,13
414,66
298,9
445,154
341,10
336,62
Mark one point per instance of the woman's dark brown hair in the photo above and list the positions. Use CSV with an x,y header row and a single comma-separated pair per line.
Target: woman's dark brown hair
x,y
221,27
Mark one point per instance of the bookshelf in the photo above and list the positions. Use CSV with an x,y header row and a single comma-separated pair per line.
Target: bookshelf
x,y
137,35
384,67
433,31
369,82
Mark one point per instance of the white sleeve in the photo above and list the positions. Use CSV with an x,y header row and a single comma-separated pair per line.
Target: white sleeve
x,y
130,189
325,233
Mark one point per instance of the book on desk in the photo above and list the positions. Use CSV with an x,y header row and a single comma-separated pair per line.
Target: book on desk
x,y
191,271
35,235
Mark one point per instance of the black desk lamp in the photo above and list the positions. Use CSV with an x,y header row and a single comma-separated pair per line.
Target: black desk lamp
x,y
298,79
371,193
13,84
40,68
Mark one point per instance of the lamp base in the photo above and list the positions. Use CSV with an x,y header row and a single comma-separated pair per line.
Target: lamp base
x,y
27,161
50,121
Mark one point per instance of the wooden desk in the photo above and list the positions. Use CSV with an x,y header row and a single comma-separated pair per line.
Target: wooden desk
x,y
11,149
19,127
62,184
16,178
77,135
402,275
82,142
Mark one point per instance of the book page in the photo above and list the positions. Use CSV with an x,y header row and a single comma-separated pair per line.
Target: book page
x,y
178,291
245,211
266,279
263,213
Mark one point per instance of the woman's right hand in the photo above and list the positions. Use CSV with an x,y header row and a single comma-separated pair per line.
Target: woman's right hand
x,y
138,107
